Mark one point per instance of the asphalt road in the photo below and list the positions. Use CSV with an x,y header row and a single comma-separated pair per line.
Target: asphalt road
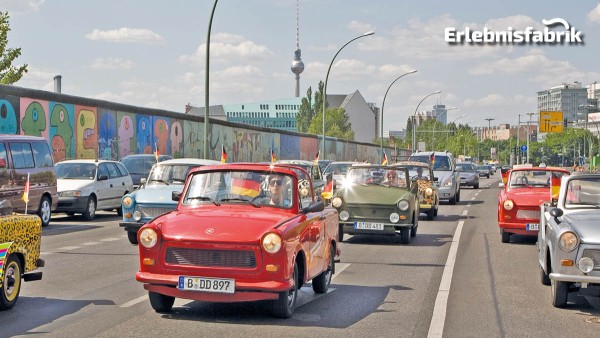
x,y
381,288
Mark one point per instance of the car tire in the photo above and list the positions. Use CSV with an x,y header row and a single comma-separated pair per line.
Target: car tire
x,y
458,196
341,232
285,305
505,236
476,186
320,284
560,293
161,303
405,235
132,237
430,214
413,231
452,201
90,211
45,211
437,207
11,286
544,278
120,211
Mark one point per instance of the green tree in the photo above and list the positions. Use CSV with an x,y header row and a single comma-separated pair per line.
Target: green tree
x,y
306,112
337,124
8,73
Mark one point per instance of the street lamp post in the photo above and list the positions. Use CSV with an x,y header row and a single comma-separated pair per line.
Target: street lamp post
x,y
528,137
325,87
488,134
206,121
414,124
383,105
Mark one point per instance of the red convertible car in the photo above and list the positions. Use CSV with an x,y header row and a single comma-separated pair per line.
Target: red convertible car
x,y
240,232
519,201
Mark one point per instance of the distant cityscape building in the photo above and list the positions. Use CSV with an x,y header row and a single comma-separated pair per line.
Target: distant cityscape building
x,y
570,99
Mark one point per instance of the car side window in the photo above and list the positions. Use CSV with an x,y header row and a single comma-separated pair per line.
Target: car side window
x,y
304,194
41,155
113,172
3,156
122,169
21,154
102,170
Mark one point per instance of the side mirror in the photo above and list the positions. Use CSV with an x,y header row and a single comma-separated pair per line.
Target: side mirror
x,y
314,207
435,179
102,177
143,180
556,213
176,195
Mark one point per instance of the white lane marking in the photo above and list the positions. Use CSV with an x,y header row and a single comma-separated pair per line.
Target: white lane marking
x,y
473,198
465,212
110,239
69,248
90,243
135,301
436,328
339,267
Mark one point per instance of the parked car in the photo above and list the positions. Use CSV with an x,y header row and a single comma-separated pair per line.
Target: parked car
x,y
469,176
444,168
323,163
86,186
520,199
483,171
23,156
229,240
316,174
338,171
139,165
421,174
569,239
153,198
20,240
370,206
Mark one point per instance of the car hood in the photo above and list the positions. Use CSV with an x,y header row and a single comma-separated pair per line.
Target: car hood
x,y
466,174
585,222
220,223
530,196
73,184
373,194
156,194
442,175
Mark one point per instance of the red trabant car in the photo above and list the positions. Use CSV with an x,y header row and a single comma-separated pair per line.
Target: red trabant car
x,y
240,232
519,201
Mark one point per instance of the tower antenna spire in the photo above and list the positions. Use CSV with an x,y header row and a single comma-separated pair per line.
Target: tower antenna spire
x,y
297,64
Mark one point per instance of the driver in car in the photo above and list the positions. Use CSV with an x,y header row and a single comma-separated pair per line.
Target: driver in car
x,y
276,198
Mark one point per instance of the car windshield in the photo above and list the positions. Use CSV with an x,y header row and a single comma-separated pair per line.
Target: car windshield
x,y
376,176
138,165
337,168
169,173
440,162
76,171
530,178
417,172
466,167
482,167
583,193
256,188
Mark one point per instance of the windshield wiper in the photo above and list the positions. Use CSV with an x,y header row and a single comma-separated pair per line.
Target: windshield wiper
x,y
157,180
241,200
204,198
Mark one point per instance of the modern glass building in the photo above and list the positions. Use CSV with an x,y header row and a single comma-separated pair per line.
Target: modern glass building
x,y
279,114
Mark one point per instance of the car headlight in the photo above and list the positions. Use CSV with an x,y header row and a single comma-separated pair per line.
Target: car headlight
x,y
137,215
428,191
447,182
394,217
344,215
271,243
336,202
508,205
568,241
586,265
148,238
403,205
70,193
127,201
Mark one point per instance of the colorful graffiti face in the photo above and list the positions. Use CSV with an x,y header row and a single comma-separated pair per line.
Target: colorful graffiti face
x,y
87,141
107,135
161,135
126,132
59,119
34,121
144,135
8,118
176,140
58,148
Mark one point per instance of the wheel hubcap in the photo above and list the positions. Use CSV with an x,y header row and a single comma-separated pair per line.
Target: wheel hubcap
x,y
45,211
11,284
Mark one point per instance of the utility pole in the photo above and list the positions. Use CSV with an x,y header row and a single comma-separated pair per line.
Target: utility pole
x,y
518,132
528,137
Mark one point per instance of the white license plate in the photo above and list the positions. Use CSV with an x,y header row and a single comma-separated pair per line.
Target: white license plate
x,y
532,226
220,285
368,226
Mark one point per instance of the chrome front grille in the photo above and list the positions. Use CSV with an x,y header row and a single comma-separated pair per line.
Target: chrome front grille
x,y
594,255
152,212
210,258
528,214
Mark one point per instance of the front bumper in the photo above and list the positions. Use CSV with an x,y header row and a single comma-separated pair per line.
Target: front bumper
x,y
131,226
389,229
72,204
446,193
574,278
519,228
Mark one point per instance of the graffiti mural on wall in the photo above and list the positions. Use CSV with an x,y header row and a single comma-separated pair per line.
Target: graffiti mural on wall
x,y
86,132
107,134
62,118
34,119
194,139
161,135
176,138
9,123
126,132
143,135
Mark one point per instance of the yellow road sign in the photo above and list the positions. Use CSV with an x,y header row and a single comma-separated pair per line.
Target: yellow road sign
x,y
551,121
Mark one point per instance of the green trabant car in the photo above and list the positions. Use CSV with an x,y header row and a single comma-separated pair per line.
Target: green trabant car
x,y
377,200
20,238
428,194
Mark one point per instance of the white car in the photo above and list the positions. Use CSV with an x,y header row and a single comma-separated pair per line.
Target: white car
x,y
85,186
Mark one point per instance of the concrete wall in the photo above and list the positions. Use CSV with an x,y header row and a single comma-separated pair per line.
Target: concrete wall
x,y
78,127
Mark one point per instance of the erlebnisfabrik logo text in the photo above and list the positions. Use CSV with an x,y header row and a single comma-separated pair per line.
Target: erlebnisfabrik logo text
x,y
511,36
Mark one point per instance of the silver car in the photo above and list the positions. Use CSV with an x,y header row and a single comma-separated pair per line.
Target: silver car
x,y
569,239
469,176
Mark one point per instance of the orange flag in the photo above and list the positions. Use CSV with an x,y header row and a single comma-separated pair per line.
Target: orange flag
x,y
273,158
317,158
156,152
25,197
223,154
327,192
385,160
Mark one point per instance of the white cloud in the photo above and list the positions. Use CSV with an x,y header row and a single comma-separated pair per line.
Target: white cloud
x,y
226,46
38,78
126,35
243,72
20,6
325,48
360,27
111,63
594,15
497,100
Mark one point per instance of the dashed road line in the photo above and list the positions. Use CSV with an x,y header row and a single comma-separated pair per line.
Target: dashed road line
x,y
134,301
68,248
339,268
465,212
110,239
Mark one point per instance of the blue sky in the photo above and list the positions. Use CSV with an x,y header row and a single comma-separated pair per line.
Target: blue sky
x,y
151,53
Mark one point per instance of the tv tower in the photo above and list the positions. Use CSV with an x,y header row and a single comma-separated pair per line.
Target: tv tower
x,y
297,64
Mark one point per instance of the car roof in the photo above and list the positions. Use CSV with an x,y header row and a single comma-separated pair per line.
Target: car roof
x,y
146,155
413,163
190,160
437,153
86,161
303,162
12,137
284,169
